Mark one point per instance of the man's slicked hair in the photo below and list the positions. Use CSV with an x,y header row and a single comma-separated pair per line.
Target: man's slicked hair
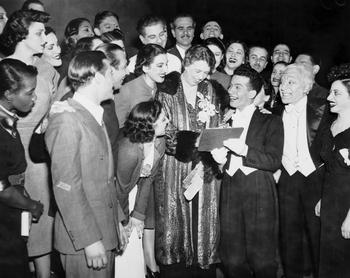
x,y
255,79
84,66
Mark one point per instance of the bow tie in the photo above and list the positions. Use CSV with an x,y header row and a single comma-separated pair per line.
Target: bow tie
x,y
291,108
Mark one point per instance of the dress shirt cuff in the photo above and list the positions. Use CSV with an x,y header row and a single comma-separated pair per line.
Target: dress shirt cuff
x,y
244,150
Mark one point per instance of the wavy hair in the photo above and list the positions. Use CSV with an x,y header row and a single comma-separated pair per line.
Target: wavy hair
x,y
146,56
199,53
139,124
17,27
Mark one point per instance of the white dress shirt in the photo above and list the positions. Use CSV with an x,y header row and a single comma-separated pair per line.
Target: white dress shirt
x,y
241,118
181,51
296,155
95,110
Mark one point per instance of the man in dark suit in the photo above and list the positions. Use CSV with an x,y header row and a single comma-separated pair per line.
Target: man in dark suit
x,y
88,219
305,120
248,204
182,29
312,63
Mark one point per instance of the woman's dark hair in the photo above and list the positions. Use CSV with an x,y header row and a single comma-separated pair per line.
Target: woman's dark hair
x,y
139,124
115,35
341,73
146,56
49,30
72,29
12,73
17,27
199,53
99,17
109,50
217,42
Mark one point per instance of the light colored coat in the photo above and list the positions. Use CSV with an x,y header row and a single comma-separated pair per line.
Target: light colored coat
x,y
83,183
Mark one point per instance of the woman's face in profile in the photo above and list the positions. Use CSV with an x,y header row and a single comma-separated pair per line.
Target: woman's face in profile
x,y
52,50
35,40
157,69
3,19
160,125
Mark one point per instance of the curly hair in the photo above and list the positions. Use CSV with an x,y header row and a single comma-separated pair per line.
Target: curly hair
x,y
199,53
341,73
146,56
12,73
139,124
17,27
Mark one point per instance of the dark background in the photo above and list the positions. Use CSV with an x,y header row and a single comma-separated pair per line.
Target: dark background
x,y
321,26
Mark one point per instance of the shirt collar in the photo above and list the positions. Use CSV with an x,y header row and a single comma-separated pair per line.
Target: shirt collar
x,y
247,112
95,110
181,51
298,106
6,113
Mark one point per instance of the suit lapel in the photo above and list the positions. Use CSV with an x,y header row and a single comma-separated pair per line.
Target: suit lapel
x,y
254,126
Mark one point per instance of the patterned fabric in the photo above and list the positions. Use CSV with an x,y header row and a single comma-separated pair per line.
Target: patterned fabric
x,y
185,232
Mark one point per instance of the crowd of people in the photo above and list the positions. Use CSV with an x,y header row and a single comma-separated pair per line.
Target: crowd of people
x,y
102,156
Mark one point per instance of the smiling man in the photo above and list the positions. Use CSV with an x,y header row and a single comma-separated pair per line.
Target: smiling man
x,y
182,28
152,29
248,202
211,29
281,53
305,120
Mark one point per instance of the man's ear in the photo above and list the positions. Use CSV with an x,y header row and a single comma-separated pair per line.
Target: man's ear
x,y
266,64
142,39
8,95
252,94
201,36
99,78
172,32
290,59
221,36
315,69
97,32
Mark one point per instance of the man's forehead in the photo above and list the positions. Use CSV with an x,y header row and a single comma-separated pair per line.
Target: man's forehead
x,y
239,80
154,29
183,20
260,51
291,73
281,47
212,24
303,58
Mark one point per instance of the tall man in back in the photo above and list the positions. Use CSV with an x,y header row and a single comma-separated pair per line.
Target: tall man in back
x,y
88,219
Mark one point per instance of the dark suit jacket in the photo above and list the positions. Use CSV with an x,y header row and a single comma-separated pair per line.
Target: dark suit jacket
x,y
318,91
173,50
130,157
83,183
265,142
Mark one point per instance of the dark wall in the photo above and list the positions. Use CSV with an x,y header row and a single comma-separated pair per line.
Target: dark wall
x,y
318,25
